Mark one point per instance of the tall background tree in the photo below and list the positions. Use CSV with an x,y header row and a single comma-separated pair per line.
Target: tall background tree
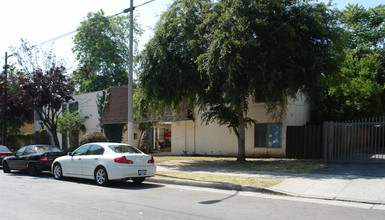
x,y
221,53
101,48
357,91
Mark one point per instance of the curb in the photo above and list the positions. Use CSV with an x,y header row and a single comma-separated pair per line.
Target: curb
x,y
230,186
215,185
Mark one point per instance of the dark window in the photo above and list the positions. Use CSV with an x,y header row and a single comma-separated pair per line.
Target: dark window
x,y
81,151
20,151
268,135
95,150
4,149
30,150
44,149
260,135
125,149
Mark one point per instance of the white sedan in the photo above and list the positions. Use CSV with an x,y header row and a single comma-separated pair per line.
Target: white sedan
x,y
105,161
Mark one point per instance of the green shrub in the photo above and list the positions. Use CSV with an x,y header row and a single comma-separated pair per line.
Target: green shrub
x,y
93,137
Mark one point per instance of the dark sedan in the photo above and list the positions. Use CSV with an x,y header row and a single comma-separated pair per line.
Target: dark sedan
x,y
32,158
4,152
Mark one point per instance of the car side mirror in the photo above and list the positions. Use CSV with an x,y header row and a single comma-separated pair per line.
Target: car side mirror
x,y
70,154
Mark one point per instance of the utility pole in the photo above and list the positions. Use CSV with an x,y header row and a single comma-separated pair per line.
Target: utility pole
x,y
130,126
5,100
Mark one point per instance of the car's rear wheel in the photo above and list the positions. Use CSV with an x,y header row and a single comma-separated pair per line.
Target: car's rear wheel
x,y
32,171
57,171
138,180
6,167
101,176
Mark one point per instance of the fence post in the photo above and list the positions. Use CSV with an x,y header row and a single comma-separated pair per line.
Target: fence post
x,y
325,137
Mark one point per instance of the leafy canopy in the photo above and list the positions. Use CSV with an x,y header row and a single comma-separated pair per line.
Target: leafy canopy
x,y
358,90
101,48
217,54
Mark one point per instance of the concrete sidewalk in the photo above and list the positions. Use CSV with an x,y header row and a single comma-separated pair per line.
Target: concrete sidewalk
x,y
355,188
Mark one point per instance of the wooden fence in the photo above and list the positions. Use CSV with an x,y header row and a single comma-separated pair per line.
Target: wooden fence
x,y
350,141
304,142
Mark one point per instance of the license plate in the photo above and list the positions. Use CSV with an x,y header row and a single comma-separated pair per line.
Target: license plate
x,y
142,172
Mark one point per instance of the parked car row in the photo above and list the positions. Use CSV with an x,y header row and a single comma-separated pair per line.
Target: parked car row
x,y
101,162
4,152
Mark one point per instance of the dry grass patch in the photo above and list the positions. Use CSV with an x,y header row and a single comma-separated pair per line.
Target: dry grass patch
x,y
240,180
252,164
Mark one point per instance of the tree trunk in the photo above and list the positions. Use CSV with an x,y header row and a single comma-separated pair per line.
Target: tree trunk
x,y
50,125
241,134
140,139
55,138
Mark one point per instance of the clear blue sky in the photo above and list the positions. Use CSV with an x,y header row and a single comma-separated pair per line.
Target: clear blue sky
x,y
42,20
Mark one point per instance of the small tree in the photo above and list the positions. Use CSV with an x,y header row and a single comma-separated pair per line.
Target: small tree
x,y
143,127
71,123
45,84
49,91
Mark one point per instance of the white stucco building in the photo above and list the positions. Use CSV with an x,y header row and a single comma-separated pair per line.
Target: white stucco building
x,y
186,134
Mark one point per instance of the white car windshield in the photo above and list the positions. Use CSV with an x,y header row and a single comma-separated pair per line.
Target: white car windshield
x,y
125,149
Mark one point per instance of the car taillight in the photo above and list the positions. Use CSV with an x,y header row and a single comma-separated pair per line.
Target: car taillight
x,y
43,158
123,160
151,160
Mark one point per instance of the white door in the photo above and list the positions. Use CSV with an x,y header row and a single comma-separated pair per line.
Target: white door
x,y
74,165
92,160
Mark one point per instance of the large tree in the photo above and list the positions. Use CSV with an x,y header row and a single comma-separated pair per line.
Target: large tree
x,y
224,52
101,48
358,90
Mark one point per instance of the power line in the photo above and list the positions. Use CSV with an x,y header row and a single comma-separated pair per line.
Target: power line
x,y
72,32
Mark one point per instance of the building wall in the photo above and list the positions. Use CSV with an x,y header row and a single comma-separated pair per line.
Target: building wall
x,y
195,137
213,139
298,111
135,140
27,128
87,108
182,137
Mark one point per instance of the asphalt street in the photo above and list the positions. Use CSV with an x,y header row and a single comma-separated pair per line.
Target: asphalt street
x,y
42,197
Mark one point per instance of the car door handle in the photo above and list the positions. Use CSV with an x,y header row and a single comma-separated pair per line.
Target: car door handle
x,y
80,159
96,158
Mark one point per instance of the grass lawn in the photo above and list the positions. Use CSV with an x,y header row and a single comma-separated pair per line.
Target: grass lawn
x,y
253,164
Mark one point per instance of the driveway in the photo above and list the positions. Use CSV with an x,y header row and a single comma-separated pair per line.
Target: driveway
x,y
355,169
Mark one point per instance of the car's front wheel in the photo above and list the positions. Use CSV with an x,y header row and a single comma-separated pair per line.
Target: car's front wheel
x,y
6,167
57,171
101,176
138,180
